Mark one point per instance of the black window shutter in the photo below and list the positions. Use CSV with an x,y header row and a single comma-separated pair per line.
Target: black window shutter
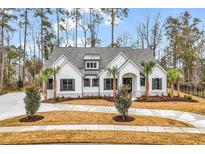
x,y
61,85
104,84
160,83
153,86
73,84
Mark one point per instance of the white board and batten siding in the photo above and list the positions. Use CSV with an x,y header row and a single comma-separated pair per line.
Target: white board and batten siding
x,y
67,71
118,61
127,68
158,72
90,91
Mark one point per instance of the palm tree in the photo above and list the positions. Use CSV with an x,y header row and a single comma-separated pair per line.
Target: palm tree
x,y
148,66
44,76
112,71
173,76
54,71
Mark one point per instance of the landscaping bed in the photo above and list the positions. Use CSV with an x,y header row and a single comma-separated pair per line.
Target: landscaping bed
x,y
165,99
62,99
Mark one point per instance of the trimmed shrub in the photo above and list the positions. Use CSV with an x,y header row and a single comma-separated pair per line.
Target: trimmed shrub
x,y
32,101
57,98
189,97
123,101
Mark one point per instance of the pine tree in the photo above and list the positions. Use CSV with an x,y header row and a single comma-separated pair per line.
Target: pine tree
x,y
115,14
6,17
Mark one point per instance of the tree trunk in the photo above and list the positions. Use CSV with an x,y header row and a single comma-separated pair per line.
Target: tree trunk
x,y
45,89
112,24
147,87
76,28
42,37
172,91
25,41
58,35
20,51
54,86
114,88
178,94
2,65
123,117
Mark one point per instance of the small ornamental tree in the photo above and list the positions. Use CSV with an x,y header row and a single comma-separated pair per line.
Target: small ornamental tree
x,y
32,101
123,101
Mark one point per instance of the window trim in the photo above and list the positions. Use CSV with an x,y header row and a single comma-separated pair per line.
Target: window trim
x,y
88,63
88,82
73,85
143,82
111,86
158,85
50,85
97,82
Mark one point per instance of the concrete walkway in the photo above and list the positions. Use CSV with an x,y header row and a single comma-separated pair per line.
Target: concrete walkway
x,y
12,105
105,127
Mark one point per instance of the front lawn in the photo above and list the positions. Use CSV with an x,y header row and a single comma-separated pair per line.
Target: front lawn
x,y
76,117
119,137
196,107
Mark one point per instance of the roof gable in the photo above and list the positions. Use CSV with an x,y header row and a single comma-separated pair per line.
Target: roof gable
x,y
107,54
115,58
127,62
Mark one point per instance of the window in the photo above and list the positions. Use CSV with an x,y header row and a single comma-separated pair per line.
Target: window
x,y
156,84
86,82
91,64
142,81
88,65
95,82
67,84
50,84
108,84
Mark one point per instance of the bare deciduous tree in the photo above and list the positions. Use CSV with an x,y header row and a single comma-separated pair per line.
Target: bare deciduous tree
x,y
150,35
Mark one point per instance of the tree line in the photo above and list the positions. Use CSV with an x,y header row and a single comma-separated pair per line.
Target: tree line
x,y
37,35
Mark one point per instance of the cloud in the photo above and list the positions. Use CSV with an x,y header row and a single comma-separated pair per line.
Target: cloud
x,y
68,24
107,18
108,21
80,41
83,10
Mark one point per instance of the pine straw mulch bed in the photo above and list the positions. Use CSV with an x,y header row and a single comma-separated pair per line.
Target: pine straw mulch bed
x,y
77,117
164,99
62,99
110,137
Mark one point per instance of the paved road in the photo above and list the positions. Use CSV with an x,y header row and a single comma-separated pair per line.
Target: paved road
x,y
12,105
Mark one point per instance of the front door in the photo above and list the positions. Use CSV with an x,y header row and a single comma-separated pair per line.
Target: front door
x,y
128,83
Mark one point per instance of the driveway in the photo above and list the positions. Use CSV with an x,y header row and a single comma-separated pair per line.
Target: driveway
x,y
11,105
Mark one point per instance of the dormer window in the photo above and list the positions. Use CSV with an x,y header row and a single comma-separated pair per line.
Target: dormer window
x,y
92,61
91,64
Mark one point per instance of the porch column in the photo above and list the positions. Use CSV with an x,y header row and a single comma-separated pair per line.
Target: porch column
x,y
119,79
138,82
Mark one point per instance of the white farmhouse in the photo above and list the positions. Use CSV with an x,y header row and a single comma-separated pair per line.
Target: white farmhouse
x,y
83,71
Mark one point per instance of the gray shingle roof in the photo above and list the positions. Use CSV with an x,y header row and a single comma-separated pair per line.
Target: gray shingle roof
x,y
107,54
